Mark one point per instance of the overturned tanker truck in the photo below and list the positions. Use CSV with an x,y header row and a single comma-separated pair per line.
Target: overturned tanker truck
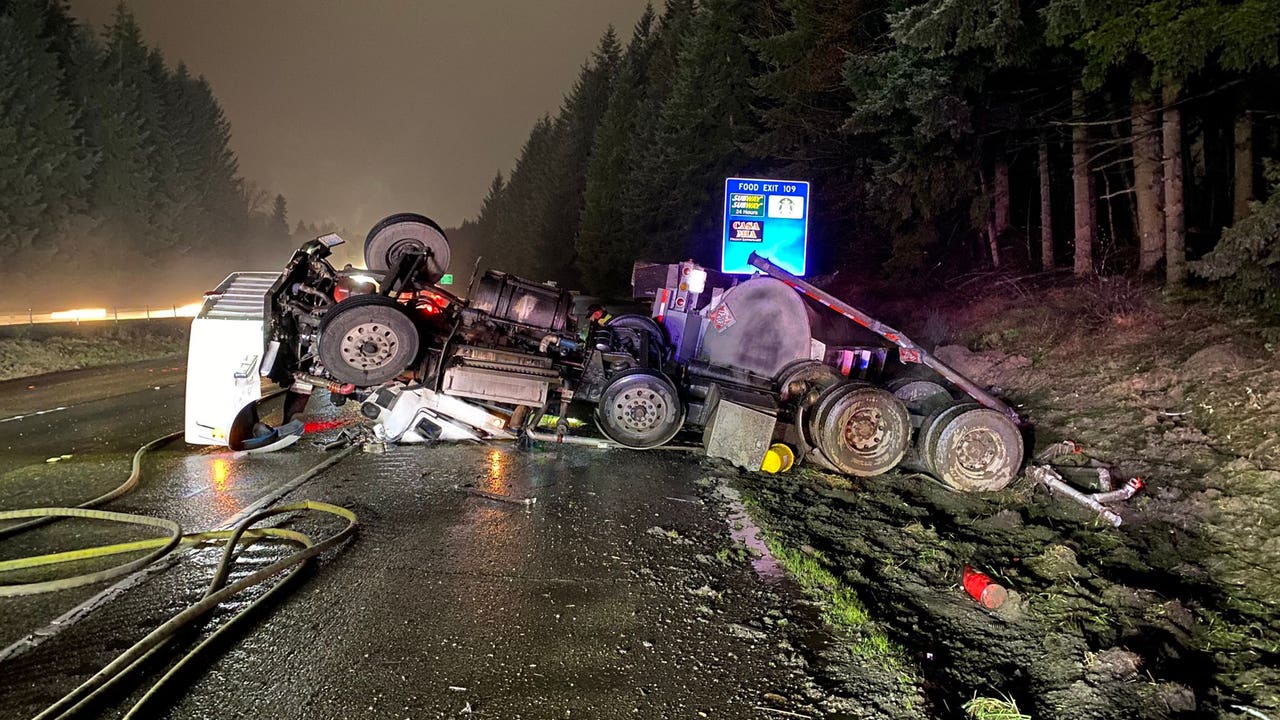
x,y
745,363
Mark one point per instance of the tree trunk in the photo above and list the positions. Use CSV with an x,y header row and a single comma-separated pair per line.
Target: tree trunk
x,y
993,237
1175,243
1243,194
1001,196
1146,185
1081,187
1046,210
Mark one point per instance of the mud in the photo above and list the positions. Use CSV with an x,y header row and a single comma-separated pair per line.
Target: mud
x,y
1173,614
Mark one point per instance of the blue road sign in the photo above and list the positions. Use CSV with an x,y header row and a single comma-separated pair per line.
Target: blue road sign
x,y
769,217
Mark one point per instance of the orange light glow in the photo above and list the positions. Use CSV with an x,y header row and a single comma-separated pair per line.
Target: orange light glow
x,y
80,314
494,480
221,471
188,310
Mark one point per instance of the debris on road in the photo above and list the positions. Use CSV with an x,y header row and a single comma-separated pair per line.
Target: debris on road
x,y
982,588
1061,478
1056,485
473,490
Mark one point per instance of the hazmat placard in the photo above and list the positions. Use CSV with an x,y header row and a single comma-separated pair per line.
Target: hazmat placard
x,y
769,217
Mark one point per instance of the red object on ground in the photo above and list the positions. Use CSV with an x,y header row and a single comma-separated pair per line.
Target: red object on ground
x,y
323,425
982,588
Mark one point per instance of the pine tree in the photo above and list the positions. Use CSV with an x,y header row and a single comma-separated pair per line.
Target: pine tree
x,y
603,241
805,103
575,130
532,219
124,178
639,192
957,90
516,222
704,125
278,225
1169,43
42,172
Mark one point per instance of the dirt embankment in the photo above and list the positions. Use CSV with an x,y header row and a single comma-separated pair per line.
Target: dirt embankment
x,y
1171,615
37,349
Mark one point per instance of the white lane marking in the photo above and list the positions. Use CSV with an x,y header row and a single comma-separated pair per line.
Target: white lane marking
x,y
33,414
86,402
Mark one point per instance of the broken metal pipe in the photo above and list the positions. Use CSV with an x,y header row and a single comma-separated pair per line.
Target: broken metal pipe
x,y
1129,490
1046,476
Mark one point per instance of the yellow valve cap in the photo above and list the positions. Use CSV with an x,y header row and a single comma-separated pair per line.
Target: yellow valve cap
x,y
778,458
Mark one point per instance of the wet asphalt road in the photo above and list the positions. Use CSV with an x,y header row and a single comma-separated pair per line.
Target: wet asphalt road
x,y
603,599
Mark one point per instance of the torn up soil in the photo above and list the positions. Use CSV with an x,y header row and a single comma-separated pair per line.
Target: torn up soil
x,y
1172,615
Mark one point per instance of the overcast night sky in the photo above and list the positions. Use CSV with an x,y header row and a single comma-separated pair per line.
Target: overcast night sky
x,y
355,110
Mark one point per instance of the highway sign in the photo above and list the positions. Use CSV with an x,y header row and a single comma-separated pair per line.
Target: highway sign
x,y
769,217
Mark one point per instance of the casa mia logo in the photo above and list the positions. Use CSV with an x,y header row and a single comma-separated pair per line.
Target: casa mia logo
x,y
747,231
788,207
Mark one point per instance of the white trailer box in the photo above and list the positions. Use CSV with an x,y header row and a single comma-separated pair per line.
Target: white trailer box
x,y
225,356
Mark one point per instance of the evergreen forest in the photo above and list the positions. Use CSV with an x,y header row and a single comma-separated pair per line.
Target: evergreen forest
x,y
1126,137
115,166
942,137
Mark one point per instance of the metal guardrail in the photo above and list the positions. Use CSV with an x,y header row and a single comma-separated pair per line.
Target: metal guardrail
x,y
86,315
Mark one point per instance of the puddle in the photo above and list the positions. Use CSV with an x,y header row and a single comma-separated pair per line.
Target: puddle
x,y
744,530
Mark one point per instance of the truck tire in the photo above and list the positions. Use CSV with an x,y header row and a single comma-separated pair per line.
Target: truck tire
x,y
861,430
394,236
798,380
921,396
367,340
640,408
648,327
971,448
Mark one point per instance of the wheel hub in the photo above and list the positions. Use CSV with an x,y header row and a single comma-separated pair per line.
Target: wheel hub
x,y
978,449
368,346
864,430
640,410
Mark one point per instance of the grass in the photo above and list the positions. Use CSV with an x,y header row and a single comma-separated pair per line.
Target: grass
x,y
987,708
24,356
841,606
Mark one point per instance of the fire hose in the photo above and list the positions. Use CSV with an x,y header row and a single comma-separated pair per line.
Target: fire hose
x,y
158,551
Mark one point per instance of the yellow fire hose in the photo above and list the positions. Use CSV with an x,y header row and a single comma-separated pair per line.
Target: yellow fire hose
x,y
157,548
127,486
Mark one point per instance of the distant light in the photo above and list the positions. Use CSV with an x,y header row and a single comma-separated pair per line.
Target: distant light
x,y
190,310
363,279
80,314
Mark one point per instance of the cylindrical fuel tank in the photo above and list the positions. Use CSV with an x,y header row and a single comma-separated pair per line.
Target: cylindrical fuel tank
x,y
507,297
759,325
